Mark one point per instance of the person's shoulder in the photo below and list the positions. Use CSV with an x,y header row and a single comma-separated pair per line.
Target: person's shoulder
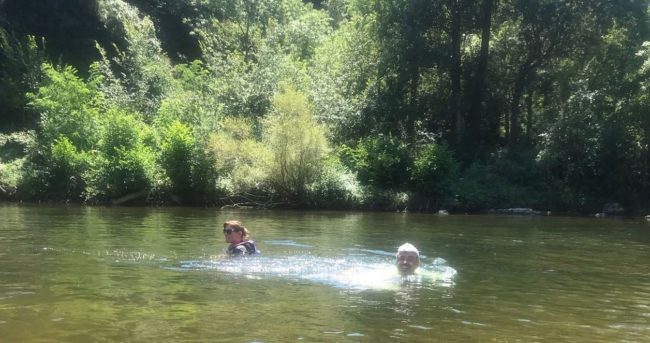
x,y
244,248
233,250
251,247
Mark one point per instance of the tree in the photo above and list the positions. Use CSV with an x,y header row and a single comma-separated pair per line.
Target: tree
x,y
476,107
455,100
20,73
139,75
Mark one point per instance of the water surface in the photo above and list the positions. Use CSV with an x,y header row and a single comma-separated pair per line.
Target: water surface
x,y
78,274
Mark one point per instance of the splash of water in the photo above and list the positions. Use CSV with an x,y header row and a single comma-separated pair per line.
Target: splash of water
x,y
350,272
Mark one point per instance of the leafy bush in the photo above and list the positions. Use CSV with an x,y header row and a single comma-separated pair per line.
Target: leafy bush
x,y
187,164
301,35
69,107
124,164
502,183
16,144
185,125
592,142
199,111
380,161
475,189
204,175
121,130
339,89
20,73
434,171
143,68
55,171
129,171
10,177
13,160
240,160
193,100
176,155
69,128
66,165
245,88
337,188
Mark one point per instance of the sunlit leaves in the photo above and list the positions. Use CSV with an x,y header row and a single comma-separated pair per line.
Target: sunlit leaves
x,y
241,160
69,107
176,155
145,71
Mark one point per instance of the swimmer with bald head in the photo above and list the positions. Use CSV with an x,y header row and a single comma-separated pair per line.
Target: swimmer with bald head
x,y
407,259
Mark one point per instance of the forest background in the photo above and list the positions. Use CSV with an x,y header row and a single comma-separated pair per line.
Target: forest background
x,y
335,104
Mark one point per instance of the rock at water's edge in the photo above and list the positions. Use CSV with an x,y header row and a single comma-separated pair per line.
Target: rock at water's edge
x,y
613,209
518,211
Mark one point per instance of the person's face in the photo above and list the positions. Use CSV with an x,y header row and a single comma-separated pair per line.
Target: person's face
x,y
232,235
407,262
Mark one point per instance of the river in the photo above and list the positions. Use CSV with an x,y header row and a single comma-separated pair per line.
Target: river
x,y
94,274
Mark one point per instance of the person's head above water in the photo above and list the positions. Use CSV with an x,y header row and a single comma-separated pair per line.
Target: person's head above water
x,y
407,258
234,232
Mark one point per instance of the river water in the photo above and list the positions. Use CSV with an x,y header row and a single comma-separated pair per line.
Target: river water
x,y
92,274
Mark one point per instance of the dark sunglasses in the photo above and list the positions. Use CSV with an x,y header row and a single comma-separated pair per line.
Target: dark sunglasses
x,y
228,231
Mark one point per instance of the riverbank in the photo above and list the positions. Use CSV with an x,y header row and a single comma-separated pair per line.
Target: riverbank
x,y
516,211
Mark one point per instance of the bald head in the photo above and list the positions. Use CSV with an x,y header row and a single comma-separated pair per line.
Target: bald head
x,y
407,259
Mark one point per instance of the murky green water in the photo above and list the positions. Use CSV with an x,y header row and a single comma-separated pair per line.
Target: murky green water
x,y
73,274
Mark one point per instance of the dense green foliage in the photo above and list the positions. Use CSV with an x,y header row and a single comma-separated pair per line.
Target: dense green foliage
x,y
380,161
382,104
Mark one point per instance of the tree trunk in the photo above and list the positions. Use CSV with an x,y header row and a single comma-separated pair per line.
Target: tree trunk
x,y
474,114
412,105
529,116
645,177
515,108
250,9
455,101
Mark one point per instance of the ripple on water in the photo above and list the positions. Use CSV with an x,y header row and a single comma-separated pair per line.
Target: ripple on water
x,y
287,242
421,327
373,251
524,320
355,334
332,332
467,322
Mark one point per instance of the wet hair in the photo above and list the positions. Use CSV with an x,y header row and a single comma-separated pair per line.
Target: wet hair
x,y
237,226
408,247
